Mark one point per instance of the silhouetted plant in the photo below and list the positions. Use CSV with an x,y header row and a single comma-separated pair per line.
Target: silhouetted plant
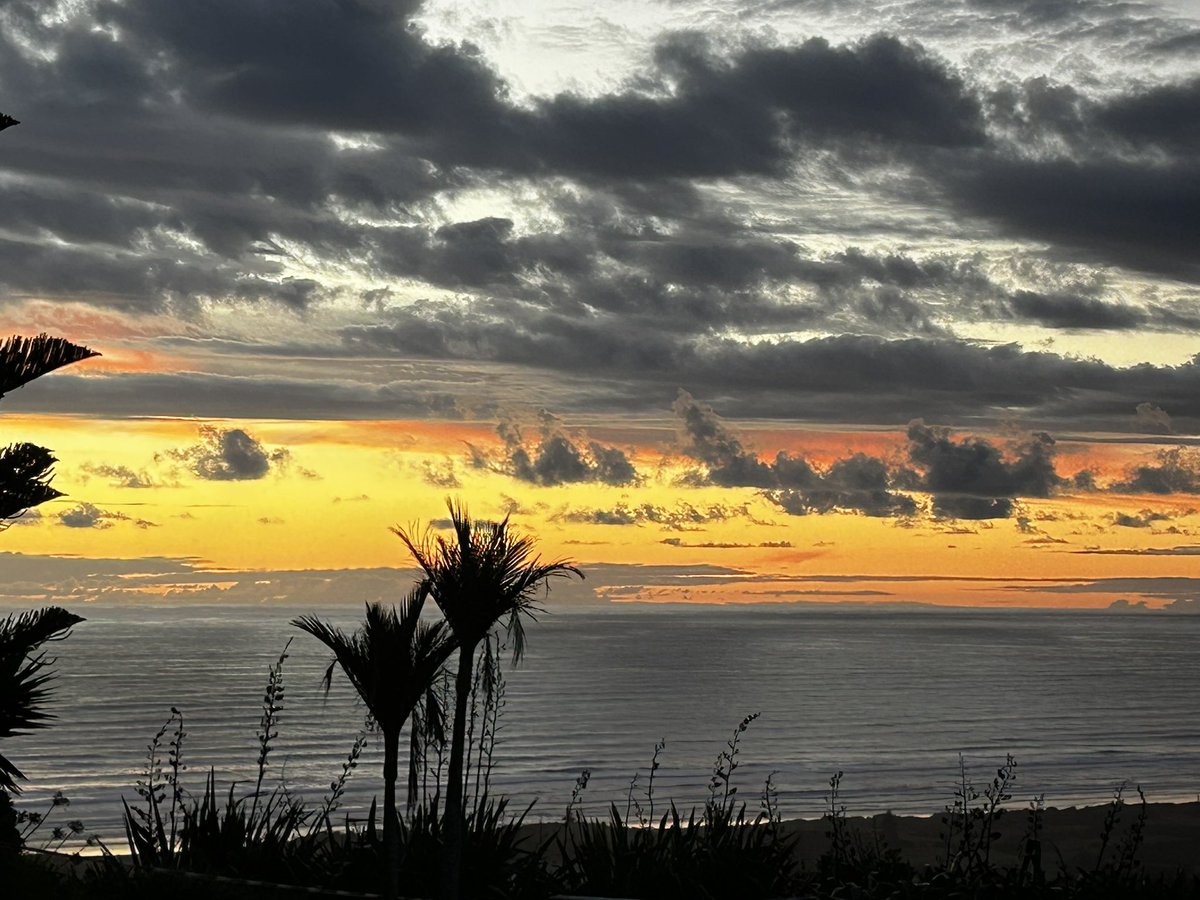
x,y
151,836
1031,843
31,823
337,787
720,853
391,661
970,821
26,470
24,691
855,855
257,834
484,575
1117,856
25,677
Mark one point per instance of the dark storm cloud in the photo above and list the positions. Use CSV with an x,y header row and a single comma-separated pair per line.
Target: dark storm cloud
x,y
705,114
705,438
1070,311
483,253
335,396
601,363
858,483
1114,180
1174,471
229,454
376,74
968,478
353,66
85,515
971,478
701,278
1181,43
126,177
1166,116
1135,214
360,66
558,457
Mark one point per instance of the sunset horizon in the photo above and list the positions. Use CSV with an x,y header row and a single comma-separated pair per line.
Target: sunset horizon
x,y
597,411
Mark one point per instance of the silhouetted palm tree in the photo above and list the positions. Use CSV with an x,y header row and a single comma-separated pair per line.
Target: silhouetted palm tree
x,y
26,469
391,660
24,679
484,575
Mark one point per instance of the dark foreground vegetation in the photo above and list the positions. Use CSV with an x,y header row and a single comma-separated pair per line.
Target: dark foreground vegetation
x,y
263,844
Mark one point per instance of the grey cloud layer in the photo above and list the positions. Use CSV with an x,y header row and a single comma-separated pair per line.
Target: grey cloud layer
x,y
182,153
613,365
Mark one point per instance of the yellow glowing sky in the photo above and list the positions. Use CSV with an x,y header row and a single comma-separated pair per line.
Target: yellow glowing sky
x,y
330,507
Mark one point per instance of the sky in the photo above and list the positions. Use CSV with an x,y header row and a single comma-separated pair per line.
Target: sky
x,y
725,300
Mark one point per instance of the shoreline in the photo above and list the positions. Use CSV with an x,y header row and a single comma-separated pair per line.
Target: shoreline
x,y
919,831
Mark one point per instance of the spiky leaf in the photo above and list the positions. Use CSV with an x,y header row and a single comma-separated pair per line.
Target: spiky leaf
x,y
25,473
23,359
24,676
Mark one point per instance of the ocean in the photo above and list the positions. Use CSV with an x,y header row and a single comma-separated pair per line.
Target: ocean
x,y
891,697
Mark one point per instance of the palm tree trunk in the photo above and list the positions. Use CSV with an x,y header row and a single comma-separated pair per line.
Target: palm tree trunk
x,y
391,830
453,847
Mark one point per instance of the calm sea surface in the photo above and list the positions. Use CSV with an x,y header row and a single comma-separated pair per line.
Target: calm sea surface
x,y
1082,700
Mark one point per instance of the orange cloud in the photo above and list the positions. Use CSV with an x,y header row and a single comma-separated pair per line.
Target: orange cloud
x,y
84,324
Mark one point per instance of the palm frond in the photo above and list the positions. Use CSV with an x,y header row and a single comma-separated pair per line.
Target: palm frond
x,y
484,574
23,359
25,632
24,677
25,474
7,121
391,659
